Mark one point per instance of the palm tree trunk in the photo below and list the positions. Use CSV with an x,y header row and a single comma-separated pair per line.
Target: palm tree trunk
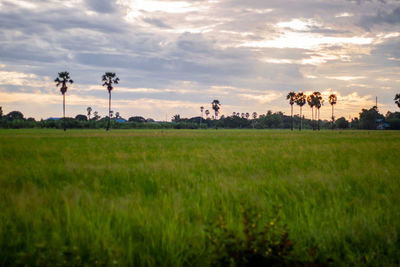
x,y
301,118
312,116
318,119
292,116
109,110
65,128
332,118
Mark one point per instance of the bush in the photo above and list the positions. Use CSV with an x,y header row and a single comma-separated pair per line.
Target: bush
x,y
255,243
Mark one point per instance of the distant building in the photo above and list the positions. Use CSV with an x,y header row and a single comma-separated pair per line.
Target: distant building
x,y
120,120
53,119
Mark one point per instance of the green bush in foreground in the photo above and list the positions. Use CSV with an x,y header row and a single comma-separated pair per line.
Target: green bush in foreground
x,y
256,242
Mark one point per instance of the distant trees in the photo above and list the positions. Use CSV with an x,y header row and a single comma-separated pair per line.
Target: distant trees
x,y
81,117
176,118
138,119
342,123
1,112
300,100
332,101
109,78
291,96
368,118
15,115
207,112
62,79
96,116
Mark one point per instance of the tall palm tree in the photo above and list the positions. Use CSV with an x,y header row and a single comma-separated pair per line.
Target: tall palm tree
x,y
201,110
247,115
89,111
291,96
109,78
254,118
207,113
318,102
216,106
311,102
332,101
63,78
397,100
300,100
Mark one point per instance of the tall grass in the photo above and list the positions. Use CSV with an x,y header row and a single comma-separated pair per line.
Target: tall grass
x,y
146,197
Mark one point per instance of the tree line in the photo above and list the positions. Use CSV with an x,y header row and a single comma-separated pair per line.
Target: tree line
x,y
368,118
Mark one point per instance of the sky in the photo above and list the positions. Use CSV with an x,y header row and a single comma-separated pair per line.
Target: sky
x,y
172,57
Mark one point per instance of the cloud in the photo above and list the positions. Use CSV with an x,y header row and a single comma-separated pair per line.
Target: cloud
x,y
381,17
101,6
244,53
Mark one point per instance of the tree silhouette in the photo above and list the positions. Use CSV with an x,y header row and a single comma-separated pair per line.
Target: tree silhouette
x,y
216,106
332,101
397,100
254,118
207,113
96,116
247,115
63,78
109,78
300,100
201,118
89,111
1,112
291,96
318,102
311,103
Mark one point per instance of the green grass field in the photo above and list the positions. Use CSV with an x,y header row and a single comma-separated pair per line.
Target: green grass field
x,y
146,197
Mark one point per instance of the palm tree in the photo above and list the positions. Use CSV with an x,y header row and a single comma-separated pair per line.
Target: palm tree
x,y
216,106
207,113
201,110
291,96
109,78
247,115
63,78
397,100
318,102
89,111
300,100
254,118
311,102
332,101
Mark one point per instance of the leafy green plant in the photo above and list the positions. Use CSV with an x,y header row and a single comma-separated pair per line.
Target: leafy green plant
x,y
258,241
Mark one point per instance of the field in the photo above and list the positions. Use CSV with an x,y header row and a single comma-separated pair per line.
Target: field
x,y
147,197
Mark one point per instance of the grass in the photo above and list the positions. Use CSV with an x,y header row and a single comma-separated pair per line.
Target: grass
x,y
146,197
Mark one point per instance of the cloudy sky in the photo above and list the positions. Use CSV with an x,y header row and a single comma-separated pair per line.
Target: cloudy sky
x,y
174,56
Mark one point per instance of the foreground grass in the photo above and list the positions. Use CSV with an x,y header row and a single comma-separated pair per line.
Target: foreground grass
x,y
147,197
